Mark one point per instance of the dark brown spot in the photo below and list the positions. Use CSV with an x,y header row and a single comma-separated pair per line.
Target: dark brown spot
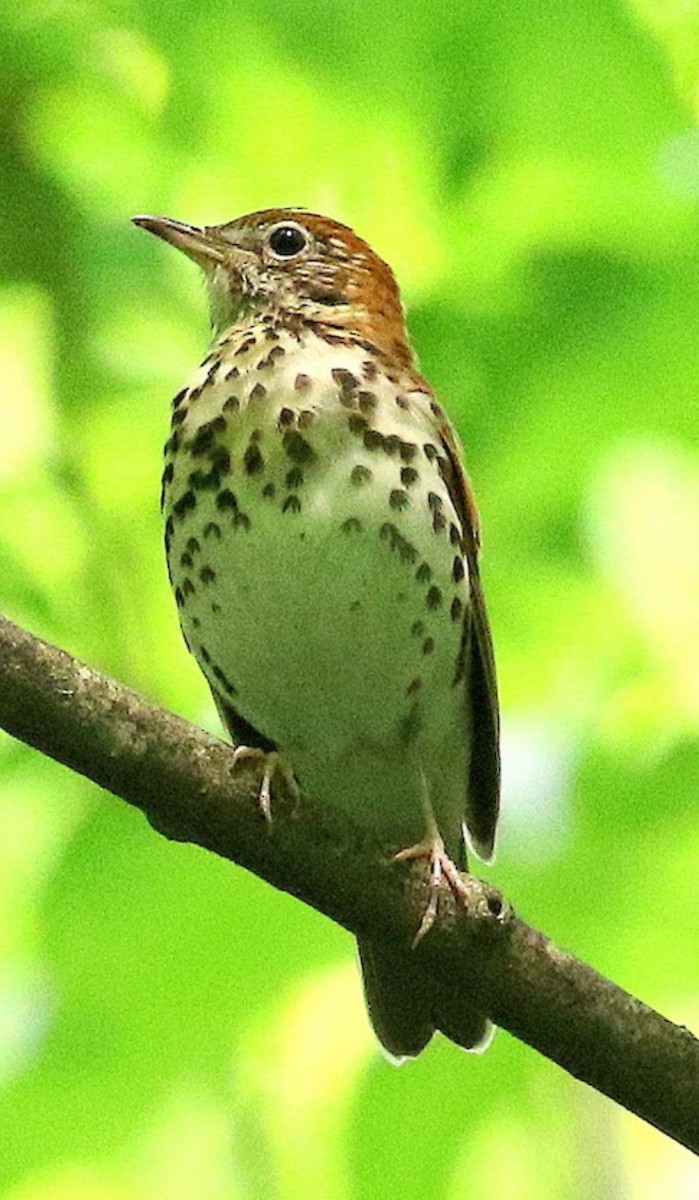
x,y
454,534
286,416
417,628
434,500
351,525
188,587
226,500
203,480
369,369
302,381
460,670
306,418
225,683
269,490
423,573
297,448
258,392
207,575
402,402
253,460
367,402
360,474
291,504
211,529
179,398
457,608
407,451
168,474
389,533
178,417
356,423
434,597
245,346
372,439
408,476
428,645
399,499
220,460
346,381
437,410
193,545
458,570
232,404
413,687
185,504
215,607
277,352
204,437
186,559
204,654
195,622
241,520
232,374
294,478
179,598
431,452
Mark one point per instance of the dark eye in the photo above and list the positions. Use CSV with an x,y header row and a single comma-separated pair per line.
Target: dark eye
x,y
287,240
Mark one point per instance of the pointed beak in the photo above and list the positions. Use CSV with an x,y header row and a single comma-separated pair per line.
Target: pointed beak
x,y
201,245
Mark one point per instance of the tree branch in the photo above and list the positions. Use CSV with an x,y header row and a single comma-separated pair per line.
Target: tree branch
x,y
183,781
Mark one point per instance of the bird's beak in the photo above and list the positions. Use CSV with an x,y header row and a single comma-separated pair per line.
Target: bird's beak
x,y
202,245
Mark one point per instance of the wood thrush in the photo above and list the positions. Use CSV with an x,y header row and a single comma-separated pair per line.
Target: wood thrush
x,y
322,542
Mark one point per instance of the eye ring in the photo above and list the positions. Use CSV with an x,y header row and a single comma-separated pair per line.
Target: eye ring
x,y
287,240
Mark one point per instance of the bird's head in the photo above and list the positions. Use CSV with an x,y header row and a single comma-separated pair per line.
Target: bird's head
x,y
297,265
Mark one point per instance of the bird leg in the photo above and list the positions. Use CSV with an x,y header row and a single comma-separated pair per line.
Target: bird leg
x,y
441,866
272,761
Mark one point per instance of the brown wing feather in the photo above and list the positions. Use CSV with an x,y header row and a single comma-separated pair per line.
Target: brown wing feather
x,y
481,695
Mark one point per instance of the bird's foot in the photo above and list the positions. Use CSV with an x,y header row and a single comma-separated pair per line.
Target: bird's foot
x,y
272,761
441,867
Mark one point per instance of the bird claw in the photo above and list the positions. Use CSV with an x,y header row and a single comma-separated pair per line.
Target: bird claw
x,y
272,761
441,868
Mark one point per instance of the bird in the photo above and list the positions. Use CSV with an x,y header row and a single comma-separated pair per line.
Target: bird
x,y
323,543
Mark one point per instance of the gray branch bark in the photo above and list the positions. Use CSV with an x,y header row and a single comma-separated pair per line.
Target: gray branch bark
x,y
182,779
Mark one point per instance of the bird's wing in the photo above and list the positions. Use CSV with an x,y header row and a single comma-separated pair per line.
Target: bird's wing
x,y
481,695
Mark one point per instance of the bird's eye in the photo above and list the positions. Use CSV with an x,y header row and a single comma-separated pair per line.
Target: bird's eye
x,y
286,241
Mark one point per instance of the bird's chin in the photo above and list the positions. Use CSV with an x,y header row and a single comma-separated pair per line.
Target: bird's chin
x,y
229,294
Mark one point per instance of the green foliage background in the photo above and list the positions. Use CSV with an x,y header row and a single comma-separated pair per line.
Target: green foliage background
x,y
169,1026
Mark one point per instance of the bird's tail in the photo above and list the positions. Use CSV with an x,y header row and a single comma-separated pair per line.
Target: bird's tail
x,y
407,1007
